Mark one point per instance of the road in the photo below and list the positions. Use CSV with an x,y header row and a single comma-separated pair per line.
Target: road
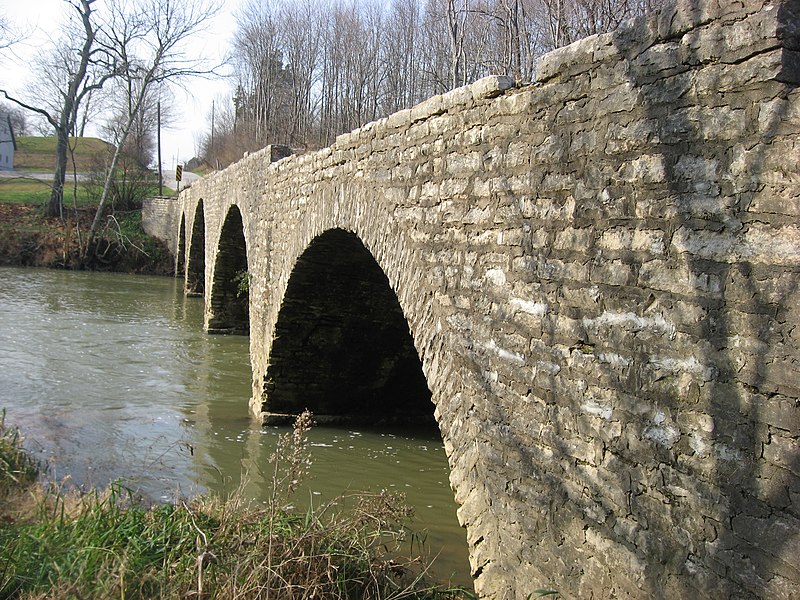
x,y
188,179
169,177
38,176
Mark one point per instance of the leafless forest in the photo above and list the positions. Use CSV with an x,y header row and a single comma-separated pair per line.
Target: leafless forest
x,y
306,71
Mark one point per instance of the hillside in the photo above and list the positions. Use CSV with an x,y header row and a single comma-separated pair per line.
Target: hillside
x,y
38,153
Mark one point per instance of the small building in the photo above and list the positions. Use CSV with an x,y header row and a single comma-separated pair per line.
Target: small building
x,y
8,143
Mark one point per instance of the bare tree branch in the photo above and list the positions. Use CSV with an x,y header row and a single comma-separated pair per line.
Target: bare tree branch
x,y
35,109
7,36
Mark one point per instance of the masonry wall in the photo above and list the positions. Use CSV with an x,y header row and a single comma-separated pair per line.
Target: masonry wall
x,y
599,273
161,219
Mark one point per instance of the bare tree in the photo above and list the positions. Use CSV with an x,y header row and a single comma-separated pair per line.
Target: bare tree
x,y
571,20
220,146
401,68
261,73
9,34
141,141
6,38
74,71
359,32
302,39
17,116
434,49
306,75
457,13
148,39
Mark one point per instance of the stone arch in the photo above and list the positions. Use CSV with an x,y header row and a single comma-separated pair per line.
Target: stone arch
x,y
196,262
342,346
180,255
229,298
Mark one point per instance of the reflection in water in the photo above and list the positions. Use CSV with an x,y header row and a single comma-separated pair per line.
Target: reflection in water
x,y
111,377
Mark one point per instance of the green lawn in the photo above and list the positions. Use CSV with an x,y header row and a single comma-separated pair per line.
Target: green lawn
x,y
38,153
37,193
34,192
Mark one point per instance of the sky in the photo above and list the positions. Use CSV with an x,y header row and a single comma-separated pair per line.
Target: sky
x,y
40,19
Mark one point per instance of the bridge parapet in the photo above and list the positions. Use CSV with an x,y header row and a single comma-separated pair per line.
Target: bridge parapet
x,y
160,216
599,275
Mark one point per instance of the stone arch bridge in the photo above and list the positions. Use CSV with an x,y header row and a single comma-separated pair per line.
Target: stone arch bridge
x,y
591,282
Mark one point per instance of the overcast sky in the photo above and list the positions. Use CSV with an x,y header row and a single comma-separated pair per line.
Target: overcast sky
x,y
41,18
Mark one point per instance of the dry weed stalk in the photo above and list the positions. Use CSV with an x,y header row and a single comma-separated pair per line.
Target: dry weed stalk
x,y
290,462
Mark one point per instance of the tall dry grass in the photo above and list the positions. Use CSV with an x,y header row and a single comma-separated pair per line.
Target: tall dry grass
x,y
108,545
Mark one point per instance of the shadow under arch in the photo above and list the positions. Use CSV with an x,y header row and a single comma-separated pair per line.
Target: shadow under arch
x,y
230,297
180,255
196,263
342,346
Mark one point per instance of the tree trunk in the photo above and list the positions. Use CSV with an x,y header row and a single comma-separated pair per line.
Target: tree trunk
x,y
68,115
106,193
56,204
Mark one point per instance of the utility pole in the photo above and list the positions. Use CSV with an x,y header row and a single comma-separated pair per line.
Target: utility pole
x,y
213,111
160,177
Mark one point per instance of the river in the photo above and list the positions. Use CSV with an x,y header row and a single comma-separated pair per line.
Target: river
x,y
111,378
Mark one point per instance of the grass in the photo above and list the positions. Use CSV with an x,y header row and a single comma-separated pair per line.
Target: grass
x,y
37,154
126,231
28,238
203,169
17,467
108,545
37,193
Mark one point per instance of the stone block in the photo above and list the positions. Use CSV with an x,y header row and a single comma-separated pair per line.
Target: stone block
x,y
575,240
780,412
612,272
646,169
737,78
491,86
636,135
680,279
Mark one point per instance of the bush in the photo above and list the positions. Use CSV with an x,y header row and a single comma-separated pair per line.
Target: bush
x,y
129,186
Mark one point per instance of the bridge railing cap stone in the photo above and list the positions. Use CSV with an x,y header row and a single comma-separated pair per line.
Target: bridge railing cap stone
x,y
671,21
491,86
485,88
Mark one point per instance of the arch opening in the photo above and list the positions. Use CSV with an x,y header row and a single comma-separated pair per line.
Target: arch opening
x,y
180,255
342,346
230,291
196,266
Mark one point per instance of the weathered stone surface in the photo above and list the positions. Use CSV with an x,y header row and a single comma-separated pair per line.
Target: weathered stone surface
x,y
599,274
160,218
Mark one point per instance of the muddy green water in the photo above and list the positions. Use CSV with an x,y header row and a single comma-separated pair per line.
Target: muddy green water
x,y
110,377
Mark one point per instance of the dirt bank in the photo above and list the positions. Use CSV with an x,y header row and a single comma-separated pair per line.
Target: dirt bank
x,y
27,238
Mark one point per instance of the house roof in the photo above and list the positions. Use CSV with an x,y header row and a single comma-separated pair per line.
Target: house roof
x,y
7,119
11,131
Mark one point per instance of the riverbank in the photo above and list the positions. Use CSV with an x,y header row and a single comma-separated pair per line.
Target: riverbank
x,y
28,238
59,544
